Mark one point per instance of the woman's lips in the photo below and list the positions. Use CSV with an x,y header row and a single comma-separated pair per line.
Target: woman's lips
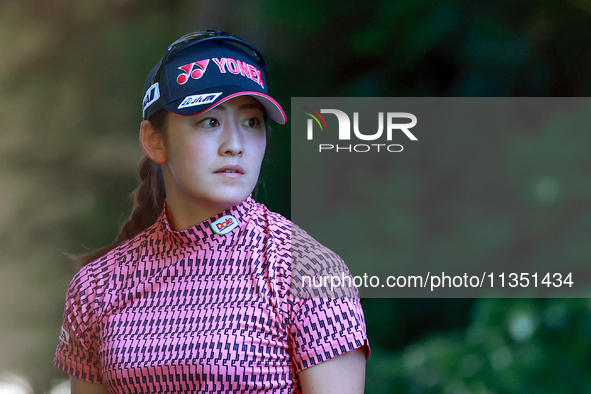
x,y
231,171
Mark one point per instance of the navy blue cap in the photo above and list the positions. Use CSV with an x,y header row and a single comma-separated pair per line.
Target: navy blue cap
x,y
204,75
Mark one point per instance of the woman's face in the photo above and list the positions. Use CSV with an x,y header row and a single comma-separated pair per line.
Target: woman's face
x,y
214,159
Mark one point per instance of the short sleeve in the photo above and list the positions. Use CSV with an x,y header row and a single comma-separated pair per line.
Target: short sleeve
x,y
323,328
77,351
326,321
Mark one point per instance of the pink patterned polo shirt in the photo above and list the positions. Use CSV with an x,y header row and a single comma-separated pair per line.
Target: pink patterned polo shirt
x,y
208,309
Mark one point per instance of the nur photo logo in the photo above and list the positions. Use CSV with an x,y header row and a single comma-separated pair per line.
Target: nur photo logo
x,y
389,123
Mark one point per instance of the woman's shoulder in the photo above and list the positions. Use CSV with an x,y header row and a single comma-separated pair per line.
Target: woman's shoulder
x,y
280,227
308,258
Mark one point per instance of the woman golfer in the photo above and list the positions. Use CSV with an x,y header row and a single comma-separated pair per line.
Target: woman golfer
x,y
195,295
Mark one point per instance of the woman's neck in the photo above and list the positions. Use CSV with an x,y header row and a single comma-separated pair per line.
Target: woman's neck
x,y
184,216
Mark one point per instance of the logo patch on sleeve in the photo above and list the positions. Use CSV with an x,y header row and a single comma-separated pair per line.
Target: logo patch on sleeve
x,y
224,225
64,336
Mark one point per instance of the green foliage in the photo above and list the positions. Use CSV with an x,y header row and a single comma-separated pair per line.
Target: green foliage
x,y
509,346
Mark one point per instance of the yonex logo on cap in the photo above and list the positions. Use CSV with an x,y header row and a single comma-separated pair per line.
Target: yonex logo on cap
x,y
237,67
224,225
195,70
199,99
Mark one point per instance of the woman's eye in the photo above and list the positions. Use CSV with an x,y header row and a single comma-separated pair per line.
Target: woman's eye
x,y
209,122
252,122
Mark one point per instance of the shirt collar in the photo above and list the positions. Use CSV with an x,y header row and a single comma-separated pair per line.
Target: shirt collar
x,y
204,233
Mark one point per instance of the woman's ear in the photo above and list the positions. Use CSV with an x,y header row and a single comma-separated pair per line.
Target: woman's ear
x,y
152,142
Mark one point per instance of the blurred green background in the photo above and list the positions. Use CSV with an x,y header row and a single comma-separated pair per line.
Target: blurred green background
x,y
71,78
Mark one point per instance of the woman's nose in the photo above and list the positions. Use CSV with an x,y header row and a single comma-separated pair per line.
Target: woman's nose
x,y
232,141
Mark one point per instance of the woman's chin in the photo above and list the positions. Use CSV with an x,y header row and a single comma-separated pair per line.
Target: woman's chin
x,y
228,200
